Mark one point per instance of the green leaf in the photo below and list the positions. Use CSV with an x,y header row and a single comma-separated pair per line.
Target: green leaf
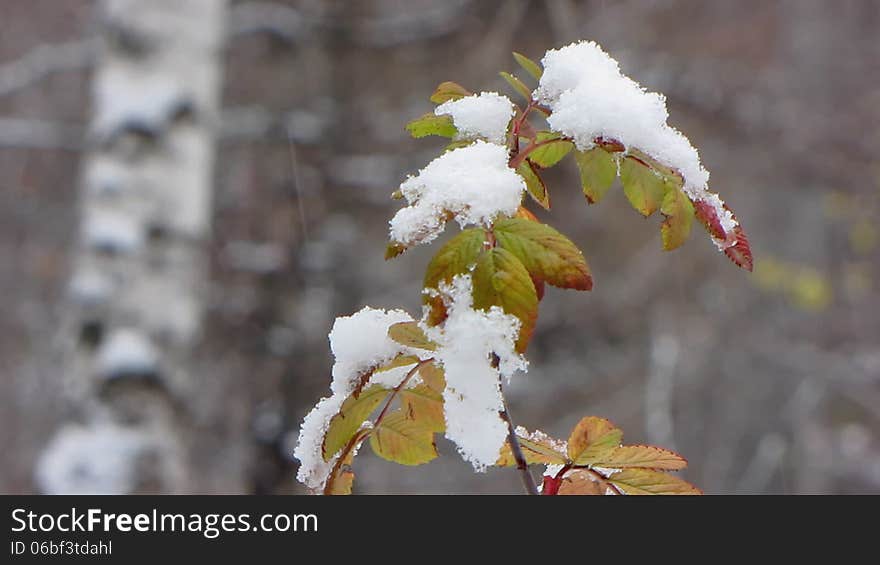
x,y
536,187
591,439
535,450
645,456
411,335
500,279
679,212
424,405
645,481
643,188
598,169
552,152
345,424
449,91
429,124
403,441
528,65
517,85
546,254
456,257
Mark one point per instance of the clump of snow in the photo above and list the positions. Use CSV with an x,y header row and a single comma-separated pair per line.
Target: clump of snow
x,y
473,389
313,470
485,115
472,183
359,343
590,98
127,352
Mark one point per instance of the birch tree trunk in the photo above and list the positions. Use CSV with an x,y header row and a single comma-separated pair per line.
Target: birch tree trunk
x,y
139,282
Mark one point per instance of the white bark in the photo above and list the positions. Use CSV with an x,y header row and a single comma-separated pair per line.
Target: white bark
x,y
139,270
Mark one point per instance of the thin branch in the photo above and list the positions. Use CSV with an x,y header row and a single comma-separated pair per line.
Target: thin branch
x,y
528,480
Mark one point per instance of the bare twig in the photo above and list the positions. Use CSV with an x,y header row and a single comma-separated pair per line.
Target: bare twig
x,y
527,479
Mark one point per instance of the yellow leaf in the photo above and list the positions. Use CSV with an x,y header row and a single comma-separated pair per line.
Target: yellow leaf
x,y
538,448
591,439
646,456
449,91
536,187
645,481
411,335
424,406
433,377
342,484
400,361
345,424
403,441
679,212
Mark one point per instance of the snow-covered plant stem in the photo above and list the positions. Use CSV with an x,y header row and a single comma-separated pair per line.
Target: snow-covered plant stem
x,y
444,372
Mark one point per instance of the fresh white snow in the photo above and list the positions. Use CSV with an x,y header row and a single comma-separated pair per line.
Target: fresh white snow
x,y
473,395
591,98
472,183
484,115
359,343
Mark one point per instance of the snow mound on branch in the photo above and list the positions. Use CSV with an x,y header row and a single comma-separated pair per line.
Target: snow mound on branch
x,y
590,98
472,183
483,115
472,397
359,343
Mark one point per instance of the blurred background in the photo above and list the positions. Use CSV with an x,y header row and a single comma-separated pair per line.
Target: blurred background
x,y
192,191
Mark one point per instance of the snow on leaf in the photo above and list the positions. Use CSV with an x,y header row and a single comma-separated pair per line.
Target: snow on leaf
x,y
346,423
536,448
449,91
679,212
430,124
485,115
528,65
410,334
517,85
473,185
547,254
402,440
424,405
500,279
646,481
534,184
646,456
591,439
598,169
643,188
553,150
